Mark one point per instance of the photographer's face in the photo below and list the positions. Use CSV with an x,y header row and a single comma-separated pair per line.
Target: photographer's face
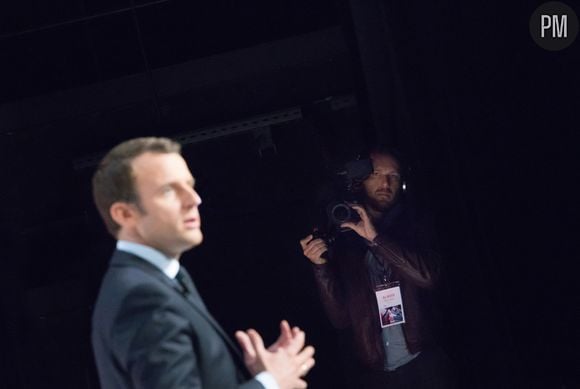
x,y
383,185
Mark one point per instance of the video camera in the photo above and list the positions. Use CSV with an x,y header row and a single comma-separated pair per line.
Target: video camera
x,y
346,184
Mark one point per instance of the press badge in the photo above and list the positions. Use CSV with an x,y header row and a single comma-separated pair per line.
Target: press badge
x,y
390,304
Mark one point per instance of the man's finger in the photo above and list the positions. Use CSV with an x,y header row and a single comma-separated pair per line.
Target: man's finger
x,y
319,252
246,345
300,384
314,250
315,243
361,212
297,342
285,329
358,209
307,366
350,225
285,336
296,330
304,242
257,341
305,355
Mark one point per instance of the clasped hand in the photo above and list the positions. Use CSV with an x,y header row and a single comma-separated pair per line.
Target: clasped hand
x,y
286,359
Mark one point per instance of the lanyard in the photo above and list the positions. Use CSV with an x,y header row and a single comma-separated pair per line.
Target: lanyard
x,y
384,270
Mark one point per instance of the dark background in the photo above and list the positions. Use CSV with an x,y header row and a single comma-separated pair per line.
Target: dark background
x,y
268,98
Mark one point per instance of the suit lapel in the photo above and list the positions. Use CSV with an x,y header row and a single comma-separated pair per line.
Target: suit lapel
x,y
122,258
195,299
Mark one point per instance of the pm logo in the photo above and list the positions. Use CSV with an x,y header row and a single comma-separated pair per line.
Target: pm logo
x,y
557,24
554,26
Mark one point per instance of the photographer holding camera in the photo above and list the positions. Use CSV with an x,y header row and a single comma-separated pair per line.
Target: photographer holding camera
x,y
383,264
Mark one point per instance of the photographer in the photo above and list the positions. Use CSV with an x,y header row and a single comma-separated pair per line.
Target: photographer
x,y
384,263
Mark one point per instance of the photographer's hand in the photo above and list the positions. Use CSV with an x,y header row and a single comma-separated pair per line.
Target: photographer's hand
x,y
364,227
313,249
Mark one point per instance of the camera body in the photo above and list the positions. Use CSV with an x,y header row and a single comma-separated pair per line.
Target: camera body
x,y
346,184
325,236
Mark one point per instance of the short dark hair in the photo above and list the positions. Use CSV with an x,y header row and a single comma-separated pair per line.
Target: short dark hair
x,y
386,150
404,167
114,180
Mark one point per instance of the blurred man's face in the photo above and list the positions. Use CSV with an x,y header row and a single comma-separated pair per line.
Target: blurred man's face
x,y
168,216
382,186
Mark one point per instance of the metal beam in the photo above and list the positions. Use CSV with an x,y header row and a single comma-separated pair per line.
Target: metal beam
x,y
214,132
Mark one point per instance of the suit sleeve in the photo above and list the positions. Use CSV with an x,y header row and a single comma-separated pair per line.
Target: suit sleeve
x,y
154,343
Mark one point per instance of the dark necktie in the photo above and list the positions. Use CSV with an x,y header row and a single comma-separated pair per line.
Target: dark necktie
x,y
187,286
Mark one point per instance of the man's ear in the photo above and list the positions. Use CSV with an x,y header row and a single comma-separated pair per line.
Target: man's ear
x,y
123,213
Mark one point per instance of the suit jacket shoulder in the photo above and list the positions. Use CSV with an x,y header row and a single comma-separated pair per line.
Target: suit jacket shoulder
x,y
147,334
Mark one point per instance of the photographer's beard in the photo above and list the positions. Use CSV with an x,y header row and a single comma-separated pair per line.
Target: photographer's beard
x,y
379,201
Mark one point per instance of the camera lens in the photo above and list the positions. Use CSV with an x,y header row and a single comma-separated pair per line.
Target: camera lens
x,y
340,212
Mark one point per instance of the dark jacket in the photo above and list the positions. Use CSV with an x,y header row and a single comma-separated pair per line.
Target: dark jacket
x,y
348,295
147,334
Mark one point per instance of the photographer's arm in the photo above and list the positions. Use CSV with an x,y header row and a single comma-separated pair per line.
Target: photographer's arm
x,y
326,279
418,266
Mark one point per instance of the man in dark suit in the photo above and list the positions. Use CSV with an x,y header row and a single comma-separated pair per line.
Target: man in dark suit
x,y
151,328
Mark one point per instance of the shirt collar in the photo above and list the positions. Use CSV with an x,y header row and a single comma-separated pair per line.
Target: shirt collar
x,y
169,266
